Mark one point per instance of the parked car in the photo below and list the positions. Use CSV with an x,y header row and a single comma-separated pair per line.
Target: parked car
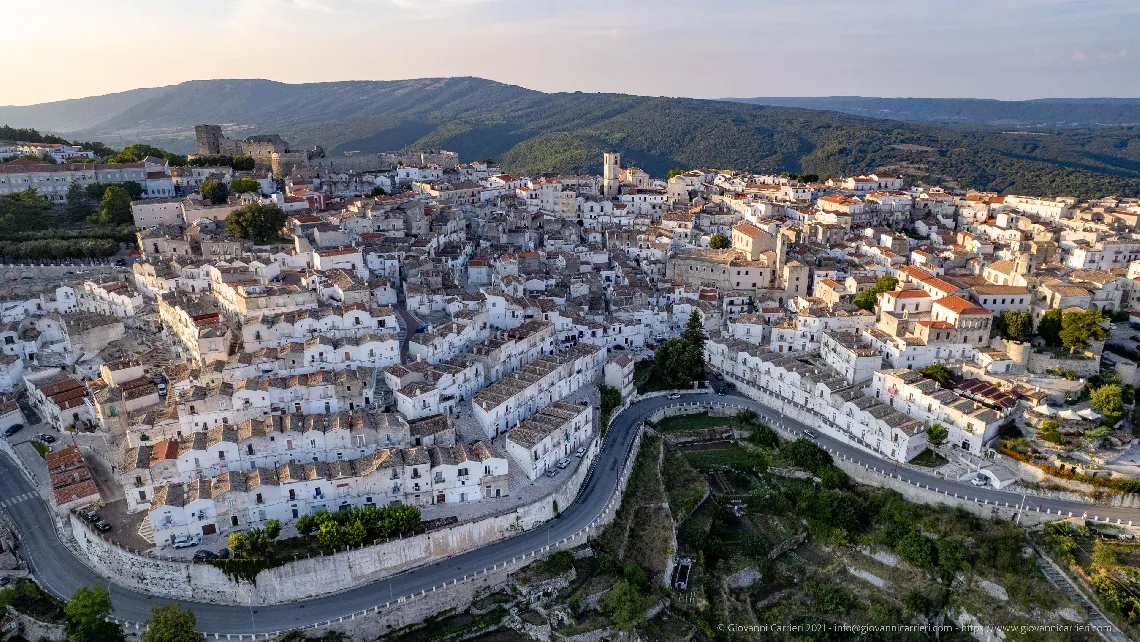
x,y
92,516
121,262
102,526
675,395
46,438
5,580
564,462
730,385
186,541
206,555
224,553
551,473
980,481
13,429
720,393
162,388
809,433
580,453
1135,337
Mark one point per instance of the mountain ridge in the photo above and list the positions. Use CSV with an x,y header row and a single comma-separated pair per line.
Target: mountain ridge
x,y
530,131
1036,112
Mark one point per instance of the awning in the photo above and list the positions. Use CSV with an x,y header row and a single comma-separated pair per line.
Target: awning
x,y
1088,413
1045,410
1069,415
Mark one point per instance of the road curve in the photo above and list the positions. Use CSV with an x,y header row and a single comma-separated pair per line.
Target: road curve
x,y
59,570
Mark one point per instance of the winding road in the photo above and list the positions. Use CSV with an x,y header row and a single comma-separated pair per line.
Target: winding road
x,y
60,571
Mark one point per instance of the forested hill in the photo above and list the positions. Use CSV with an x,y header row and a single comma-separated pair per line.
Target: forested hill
x,y
1042,112
530,131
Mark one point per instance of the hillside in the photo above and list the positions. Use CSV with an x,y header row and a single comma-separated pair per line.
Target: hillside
x,y
530,131
1043,112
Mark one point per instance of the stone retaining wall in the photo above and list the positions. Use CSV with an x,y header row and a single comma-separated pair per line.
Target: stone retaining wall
x,y
33,629
924,495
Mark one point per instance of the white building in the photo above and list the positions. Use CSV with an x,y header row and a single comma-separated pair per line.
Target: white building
x,y
552,434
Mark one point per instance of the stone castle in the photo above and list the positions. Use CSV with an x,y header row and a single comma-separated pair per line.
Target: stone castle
x,y
267,150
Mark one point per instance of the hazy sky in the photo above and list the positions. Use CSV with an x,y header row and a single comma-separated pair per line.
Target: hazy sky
x,y
703,48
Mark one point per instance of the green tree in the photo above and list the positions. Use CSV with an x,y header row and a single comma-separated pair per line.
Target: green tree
x,y
611,399
377,191
804,453
238,545
272,529
916,549
937,435
95,191
674,172
214,190
1109,400
136,153
242,185
115,207
134,189
678,363
886,284
306,525
86,614
1080,327
78,206
331,534
868,298
171,624
258,222
719,242
242,163
1015,323
1049,328
25,210
626,605
940,373
355,533
693,333
953,556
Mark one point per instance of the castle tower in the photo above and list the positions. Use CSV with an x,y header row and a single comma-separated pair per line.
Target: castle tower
x,y
611,174
209,139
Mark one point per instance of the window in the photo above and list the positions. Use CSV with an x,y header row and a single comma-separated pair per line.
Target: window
x,y
292,495
142,495
260,499
233,520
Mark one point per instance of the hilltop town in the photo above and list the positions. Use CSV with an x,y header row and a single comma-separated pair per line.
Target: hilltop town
x,y
305,335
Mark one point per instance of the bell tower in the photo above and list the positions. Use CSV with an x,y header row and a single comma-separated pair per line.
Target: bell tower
x,y
611,174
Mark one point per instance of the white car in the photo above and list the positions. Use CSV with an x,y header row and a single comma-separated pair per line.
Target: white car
x,y
675,395
564,463
980,481
581,452
186,541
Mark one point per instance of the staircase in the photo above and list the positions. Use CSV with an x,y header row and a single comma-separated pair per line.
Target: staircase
x,y
1061,580
146,531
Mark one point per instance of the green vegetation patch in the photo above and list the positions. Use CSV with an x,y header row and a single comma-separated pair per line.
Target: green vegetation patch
x,y
688,423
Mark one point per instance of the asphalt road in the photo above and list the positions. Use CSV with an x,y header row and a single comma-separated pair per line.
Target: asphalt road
x,y
61,572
